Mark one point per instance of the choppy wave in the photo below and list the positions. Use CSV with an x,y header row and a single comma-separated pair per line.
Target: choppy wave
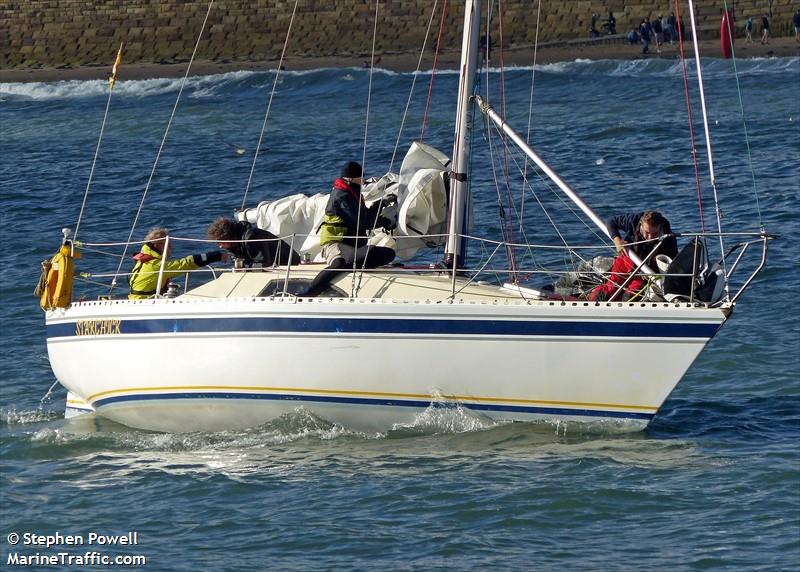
x,y
198,86
712,67
213,85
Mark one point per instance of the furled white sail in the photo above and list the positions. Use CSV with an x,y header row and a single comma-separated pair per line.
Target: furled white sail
x,y
422,200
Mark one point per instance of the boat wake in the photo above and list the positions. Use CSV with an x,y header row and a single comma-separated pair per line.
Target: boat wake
x,y
13,417
298,445
443,417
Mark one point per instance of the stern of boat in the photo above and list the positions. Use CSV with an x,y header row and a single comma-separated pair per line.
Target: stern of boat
x,y
76,406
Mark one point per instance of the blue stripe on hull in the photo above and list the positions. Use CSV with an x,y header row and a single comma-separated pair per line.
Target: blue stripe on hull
x,y
374,402
339,325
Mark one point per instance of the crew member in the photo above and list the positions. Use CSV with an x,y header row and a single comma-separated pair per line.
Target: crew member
x,y
143,279
251,244
641,233
344,229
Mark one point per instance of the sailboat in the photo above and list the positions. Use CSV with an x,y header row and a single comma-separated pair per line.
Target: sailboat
x,y
247,347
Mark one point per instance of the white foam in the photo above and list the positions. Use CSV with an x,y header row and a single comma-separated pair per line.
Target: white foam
x,y
199,86
14,417
210,85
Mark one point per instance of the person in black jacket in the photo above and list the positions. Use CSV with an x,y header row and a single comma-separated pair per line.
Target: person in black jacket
x,y
250,244
343,233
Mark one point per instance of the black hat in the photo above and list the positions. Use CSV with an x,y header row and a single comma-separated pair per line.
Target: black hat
x,y
352,170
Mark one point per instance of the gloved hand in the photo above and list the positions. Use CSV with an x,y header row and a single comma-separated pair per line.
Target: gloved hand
x,y
211,257
389,213
386,223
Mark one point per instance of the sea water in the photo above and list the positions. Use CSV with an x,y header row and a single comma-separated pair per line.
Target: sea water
x,y
713,483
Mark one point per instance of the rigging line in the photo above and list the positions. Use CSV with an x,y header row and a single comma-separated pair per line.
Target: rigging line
x,y
688,99
744,126
506,223
509,197
502,210
111,81
533,79
569,206
539,201
530,109
484,61
359,275
269,105
509,247
547,213
161,146
559,196
413,84
708,138
433,71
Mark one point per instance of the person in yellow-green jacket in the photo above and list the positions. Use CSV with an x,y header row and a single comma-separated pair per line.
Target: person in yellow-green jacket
x,y
143,278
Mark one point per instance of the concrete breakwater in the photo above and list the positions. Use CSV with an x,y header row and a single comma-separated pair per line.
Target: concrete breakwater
x,y
69,33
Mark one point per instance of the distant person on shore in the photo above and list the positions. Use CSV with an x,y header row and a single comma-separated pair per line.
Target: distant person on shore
x,y
645,30
658,29
344,230
638,228
610,26
764,29
593,33
486,47
796,24
251,245
633,37
143,279
748,29
375,61
669,29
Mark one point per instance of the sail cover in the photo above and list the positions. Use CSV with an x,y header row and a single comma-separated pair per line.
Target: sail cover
x,y
421,191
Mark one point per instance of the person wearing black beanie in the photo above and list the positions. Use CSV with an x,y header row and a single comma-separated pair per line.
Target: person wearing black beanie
x,y
343,233
352,170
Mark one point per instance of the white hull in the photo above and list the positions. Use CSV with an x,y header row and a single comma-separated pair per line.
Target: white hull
x,y
230,353
211,364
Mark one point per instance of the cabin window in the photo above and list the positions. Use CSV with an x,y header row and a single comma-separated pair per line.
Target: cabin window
x,y
297,285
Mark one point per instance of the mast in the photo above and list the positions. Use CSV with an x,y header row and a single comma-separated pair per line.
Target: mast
x,y
459,185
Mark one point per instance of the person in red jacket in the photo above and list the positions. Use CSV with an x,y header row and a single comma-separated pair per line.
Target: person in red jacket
x,y
639,228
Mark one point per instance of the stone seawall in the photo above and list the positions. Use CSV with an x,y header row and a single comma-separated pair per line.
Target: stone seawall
x,y
54,33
